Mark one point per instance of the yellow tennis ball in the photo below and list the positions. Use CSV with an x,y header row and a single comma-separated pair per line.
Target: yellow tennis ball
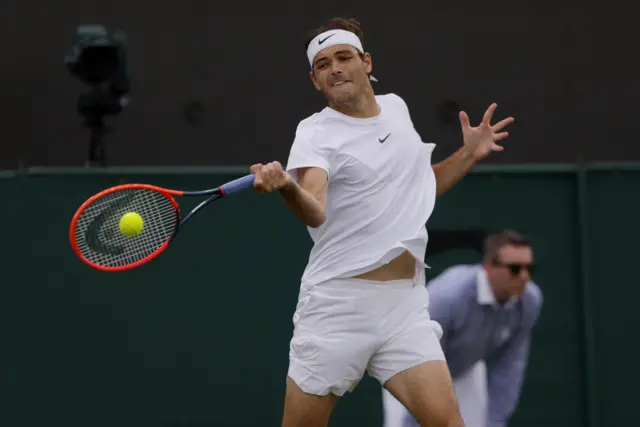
x,y
131,224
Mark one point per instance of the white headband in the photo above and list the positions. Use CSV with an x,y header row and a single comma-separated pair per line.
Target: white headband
x,y
332,38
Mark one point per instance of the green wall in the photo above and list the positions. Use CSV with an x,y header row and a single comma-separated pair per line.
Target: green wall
x,y
199,337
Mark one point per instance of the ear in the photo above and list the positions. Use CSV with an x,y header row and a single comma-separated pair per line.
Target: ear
x,y
312,76
368,64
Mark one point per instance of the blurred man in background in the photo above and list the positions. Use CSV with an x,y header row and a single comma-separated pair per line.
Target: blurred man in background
x,y
487,313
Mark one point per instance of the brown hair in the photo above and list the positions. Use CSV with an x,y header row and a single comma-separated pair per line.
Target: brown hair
x,y
494,242
337,23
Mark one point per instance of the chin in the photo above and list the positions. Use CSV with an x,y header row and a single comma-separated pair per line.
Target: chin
x,y
341,96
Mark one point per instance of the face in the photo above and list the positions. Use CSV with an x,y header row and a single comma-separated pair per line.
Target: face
x,y
511,271
341,74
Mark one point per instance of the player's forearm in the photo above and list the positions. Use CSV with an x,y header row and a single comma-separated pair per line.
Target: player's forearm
x,y
451,170
304,205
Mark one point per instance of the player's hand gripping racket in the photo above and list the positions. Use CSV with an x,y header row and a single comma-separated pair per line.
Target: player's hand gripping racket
x,y
126,226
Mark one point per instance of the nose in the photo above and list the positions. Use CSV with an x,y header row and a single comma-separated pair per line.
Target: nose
x,y
336,67
524,275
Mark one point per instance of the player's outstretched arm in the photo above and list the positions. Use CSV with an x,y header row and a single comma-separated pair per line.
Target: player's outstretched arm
x,y
479,142
452,169
307,198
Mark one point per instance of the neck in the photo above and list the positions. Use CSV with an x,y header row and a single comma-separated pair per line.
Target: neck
x,y
362,107
501,298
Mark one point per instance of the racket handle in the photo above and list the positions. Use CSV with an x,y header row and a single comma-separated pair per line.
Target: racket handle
x,y
238,184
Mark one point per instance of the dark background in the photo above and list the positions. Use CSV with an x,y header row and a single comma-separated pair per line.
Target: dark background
x,y
566,70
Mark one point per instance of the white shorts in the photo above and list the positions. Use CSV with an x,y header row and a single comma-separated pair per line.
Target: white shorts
x,y
343,327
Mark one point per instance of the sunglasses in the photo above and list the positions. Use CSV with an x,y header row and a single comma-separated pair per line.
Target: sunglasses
x,y
516,268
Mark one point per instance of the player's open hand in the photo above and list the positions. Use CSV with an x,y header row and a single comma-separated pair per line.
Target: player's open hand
x,y
270,177
482,139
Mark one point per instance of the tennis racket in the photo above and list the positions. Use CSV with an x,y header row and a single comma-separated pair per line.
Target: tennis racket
x,y
95,228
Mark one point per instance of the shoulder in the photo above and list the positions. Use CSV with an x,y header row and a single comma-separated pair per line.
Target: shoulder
x,y
395,105
533,295
308,125
310,147
320,123
532,300
454,282
392,100
458,273
307,130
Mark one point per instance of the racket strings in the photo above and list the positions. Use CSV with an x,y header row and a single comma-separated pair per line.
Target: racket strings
x,y
98,234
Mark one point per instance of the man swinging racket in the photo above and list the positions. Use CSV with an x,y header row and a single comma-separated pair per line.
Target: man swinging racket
x,y
360,178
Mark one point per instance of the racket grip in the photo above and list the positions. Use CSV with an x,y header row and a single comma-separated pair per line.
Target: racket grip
x,y
238,184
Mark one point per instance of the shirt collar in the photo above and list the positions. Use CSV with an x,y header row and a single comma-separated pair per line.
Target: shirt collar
x,y
485,293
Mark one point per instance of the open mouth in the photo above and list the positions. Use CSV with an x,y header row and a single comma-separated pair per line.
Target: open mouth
x,y
339,83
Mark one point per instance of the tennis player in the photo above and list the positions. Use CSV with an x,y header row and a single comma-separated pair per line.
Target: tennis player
x,y
360,178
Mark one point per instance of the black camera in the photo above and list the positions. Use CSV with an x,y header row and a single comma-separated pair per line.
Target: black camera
x,y
98,58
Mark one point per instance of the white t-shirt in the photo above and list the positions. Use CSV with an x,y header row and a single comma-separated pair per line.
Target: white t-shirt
x,y
381,189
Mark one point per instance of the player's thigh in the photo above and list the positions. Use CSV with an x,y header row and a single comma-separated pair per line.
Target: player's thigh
x,y
306,410
426,390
